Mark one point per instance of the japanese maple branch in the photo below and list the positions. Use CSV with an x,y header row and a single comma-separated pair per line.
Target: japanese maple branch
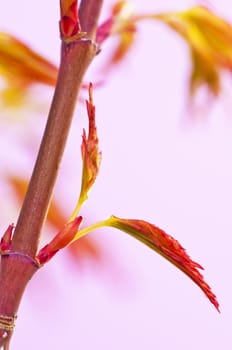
x,y
75,58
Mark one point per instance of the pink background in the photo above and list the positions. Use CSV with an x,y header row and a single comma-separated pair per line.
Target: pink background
x,y
160,164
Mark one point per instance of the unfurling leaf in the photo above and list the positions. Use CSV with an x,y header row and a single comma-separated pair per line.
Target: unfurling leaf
x,y
162,243
89,150
61,240
20,67
91,156
166,246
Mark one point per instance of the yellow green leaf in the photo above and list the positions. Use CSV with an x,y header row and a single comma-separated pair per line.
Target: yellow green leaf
x,y
209,38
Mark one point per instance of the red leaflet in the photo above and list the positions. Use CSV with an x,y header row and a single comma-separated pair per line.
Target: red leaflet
x,y
56,217
104,30
61,240
6,239
69,23
166,246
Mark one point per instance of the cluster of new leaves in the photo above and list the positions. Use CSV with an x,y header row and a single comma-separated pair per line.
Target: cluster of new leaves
x,y
145,232
209,39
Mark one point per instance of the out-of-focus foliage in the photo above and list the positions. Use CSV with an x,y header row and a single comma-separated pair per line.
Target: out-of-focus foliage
x,y
20,68
210,41
120,24
208,36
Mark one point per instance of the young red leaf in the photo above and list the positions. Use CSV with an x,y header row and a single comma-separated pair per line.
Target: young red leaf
x,y
6,239
166,246
61,240
69,23
56,217
162,243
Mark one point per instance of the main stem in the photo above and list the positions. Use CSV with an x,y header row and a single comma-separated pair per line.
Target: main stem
x,y
16,270
75,58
